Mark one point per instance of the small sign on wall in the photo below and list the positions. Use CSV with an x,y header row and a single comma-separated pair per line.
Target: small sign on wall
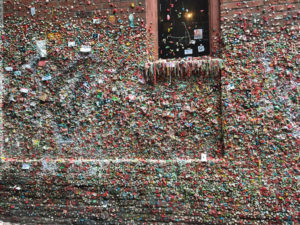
x,y
203,157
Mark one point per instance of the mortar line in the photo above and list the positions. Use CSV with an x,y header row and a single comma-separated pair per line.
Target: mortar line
x,y
153,161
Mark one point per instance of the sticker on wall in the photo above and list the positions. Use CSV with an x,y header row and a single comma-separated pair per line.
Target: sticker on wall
x,y
18,73
51,36
85,48
112,19
188,51
32,11
131,18
96,21
95,36
54,36
42,63
25,166
201,48
71,44
41,48
24,90
198,34
47,77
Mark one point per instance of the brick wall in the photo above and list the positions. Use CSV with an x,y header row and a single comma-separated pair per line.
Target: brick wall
x,y
254,181
260,51
72,7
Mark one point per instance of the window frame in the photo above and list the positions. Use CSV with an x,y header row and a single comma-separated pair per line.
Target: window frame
x,y
152,25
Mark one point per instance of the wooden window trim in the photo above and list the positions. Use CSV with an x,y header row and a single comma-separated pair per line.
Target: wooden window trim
x,y
214,25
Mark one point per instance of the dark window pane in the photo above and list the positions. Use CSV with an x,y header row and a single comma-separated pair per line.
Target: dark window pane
x,y
183,28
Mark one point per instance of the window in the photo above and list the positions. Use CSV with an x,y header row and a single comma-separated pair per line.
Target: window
x,y
183,28
199,18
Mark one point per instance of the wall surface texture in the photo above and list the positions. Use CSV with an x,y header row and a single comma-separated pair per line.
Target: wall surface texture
x,y
88,141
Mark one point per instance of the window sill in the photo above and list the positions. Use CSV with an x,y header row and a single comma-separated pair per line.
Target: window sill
x,y
181,68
